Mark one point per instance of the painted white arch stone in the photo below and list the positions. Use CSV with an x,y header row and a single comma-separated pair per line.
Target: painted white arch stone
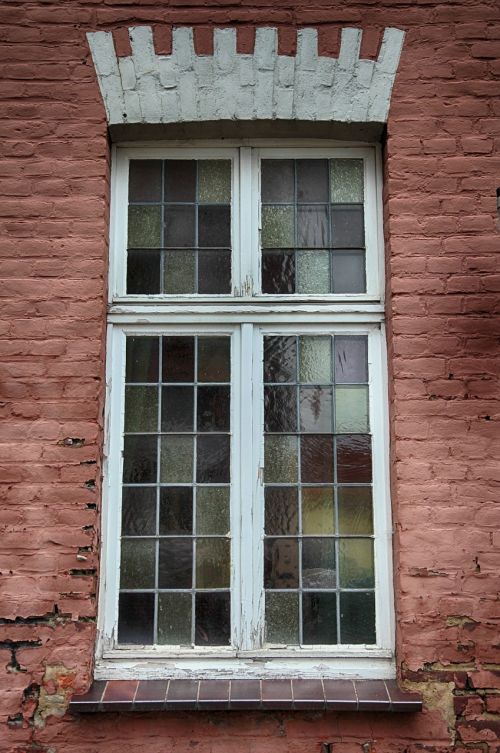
x,y
186,87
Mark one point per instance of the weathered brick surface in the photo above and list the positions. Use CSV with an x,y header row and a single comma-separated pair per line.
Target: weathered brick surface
x,y
442,167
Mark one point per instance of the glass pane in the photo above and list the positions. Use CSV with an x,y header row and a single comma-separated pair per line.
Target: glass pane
x,y
351,360
142,359
280,408
138,511
280,459
351,409
141,409
281,563
213,405
281,508
348,230
214,272
179,269
312,226
180,226
356,563
357,618
315,359
316,409
174,619
176,563
316,458
214,181
214,359
282,618
278,227
354,459
178,359
180,180
355,510
213,619
136,618
144,180
137,563
312,180
176,459
318,511
319,612
349,272
212,459
143,272
313,272
176,510
280,359
139,460
214,226
213,567
346,180
212,510
144,226
278,272
277,180
318,563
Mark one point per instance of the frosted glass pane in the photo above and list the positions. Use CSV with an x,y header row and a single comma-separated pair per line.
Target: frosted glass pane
x,y
312,272
212,563
144,227
179,272
278,227
280,459
214,181
141,409
137,569
212,510
177,459
351,409
174,619
318,512
356,563
282,618
346,180
315,359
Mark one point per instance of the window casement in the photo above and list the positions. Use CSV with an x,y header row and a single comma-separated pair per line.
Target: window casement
x,y
246,513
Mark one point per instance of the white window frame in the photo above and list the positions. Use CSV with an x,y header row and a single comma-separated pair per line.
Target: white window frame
x,y
246,318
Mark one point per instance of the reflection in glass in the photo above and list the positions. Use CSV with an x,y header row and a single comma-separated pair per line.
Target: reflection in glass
x,y
136,618
281,516
278,272
213,408
280,359
319,618
318,563
281,563
213,619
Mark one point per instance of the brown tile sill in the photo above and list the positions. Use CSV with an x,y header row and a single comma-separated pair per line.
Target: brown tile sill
x,y
238,695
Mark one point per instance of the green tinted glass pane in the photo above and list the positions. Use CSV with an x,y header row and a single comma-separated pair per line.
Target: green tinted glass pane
x,y
212,510
355,510
318,512
357,618
280,459
312,273
356,563
282,618
212,563
137,568
278,227
214,181
176,459
346,180
144,227
351,409
315,359
174,619
179,272
141,408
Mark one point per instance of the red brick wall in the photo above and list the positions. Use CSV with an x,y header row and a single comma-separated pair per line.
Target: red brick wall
x,y
442,167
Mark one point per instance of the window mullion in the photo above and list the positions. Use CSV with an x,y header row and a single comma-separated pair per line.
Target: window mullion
x,y
246,200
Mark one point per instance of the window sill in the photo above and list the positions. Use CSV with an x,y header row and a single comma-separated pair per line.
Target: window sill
x,y
243,695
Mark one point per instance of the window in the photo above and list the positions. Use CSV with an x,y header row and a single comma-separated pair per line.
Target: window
x,y
246,518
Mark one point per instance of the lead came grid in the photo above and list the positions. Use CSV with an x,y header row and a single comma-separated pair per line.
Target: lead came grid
x,y
175,544
318,547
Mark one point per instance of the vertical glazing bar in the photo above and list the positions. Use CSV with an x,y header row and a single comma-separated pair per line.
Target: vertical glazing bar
x,y
158,481
336,493
244,251
195,455
162,232
299,487
196,209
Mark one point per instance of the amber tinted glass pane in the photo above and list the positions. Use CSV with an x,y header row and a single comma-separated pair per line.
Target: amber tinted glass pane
x,y
178,359
354,459
177,409
282,618
138,511
348,272
143,272
318,512
144,180
351,409
137,564
142,359
212,510
179,268
136,618
312,226
316,409
139,459
278,272
280,459
346,180
357,618
213,619
214,272
176,510
319,612
351,360
212,563
280,359
355,510
348,226
278,227
214,226
214,359
315,359
356,563
180,226
213,405
312,180
212,459
318,563
280,408
144,226
174,619
214,181
277,179
316,458
141,409
180,180
281,508
176,459
313,272
281,563
176,563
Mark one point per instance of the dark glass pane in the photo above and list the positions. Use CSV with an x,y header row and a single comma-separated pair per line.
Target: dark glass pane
x,y
318,563
355,510
213,563
144,226
316,409
176,510
277,180
144,180
174,619
214,355
141,409
175,567
349,272
213,619
214,272
212,459
136,618
143,272
282,617
351,360
348,229
281,510
180,180
214,226
312,226
178,359
312,180
180,226
280,359
177,408
357,617
140,459
316,458
142,359
179,270
281,563
354,459
319,611
213,408
356,563
137,563
278,272
280,408
138,511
